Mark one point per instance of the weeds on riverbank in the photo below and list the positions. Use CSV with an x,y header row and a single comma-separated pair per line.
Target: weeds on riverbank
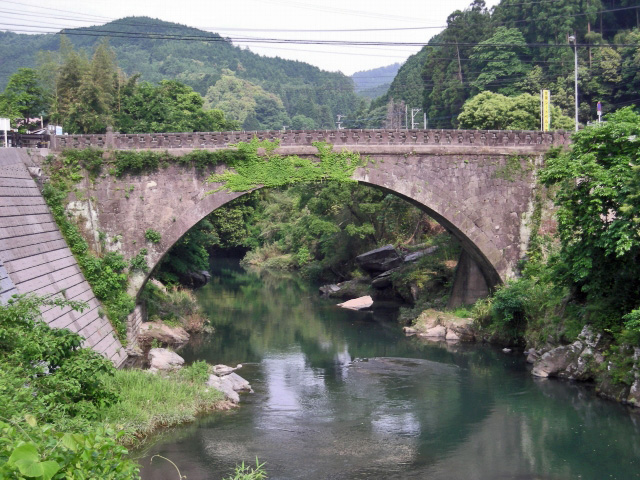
x,y
174,306
149,402
246,472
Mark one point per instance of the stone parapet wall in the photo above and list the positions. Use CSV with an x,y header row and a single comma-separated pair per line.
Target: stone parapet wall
x,y
214,140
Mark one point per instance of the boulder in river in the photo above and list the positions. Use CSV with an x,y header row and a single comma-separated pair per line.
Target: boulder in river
x,y
195,279
222,370
357,303
575,361
379,260
164,360
435,325
229,382
383,280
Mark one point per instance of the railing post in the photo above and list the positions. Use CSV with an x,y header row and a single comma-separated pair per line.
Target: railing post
x,y
109,142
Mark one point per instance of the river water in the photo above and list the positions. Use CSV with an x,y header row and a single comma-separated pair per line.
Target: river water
x,y
345,395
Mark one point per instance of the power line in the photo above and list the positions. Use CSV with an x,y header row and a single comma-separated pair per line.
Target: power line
x,y
166,36
265,40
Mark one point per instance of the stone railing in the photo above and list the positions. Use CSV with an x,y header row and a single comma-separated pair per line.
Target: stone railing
x,y
213,140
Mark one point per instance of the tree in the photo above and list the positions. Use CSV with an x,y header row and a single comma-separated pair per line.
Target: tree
x,y
168,107
24,97
596,185
71,74
246,103
500,67
445,72
493,111
301,122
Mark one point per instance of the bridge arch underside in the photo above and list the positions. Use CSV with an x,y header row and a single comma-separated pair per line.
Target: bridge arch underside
x,y
464,194
488,270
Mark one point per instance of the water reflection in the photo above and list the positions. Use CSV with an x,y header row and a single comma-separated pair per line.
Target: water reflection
x,y
410,410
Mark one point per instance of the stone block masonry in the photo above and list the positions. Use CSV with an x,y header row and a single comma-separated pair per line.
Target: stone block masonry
x,y
34,258
461,178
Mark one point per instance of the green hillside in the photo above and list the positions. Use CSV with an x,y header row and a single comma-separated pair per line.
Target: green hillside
x,y
309,96
536,55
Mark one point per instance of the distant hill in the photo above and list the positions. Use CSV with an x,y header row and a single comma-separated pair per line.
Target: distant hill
x,y
311,96
375,83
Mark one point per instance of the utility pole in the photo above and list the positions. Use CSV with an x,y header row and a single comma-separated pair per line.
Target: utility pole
x,y
425,120
284,128
413,114
572,38
339,121
459,64
406,116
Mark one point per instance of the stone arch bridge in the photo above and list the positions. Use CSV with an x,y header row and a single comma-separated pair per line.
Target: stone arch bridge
x,y
477,184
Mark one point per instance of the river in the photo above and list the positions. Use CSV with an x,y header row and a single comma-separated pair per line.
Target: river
x,y
346,395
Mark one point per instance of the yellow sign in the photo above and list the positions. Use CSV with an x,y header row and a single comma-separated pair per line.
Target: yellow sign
x,y
546,110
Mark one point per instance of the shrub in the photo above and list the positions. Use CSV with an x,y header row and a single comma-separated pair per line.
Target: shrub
x,y
152,235
631,332
64,378
29,449
90,159
139,262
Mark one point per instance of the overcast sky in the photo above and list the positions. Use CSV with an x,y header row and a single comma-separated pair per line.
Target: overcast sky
x,y
260,19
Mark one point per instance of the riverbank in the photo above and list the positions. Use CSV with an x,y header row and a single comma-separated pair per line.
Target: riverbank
x,y
66,410
593,359
151,402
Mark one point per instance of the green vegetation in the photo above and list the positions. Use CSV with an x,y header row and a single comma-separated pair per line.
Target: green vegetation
x,y
375,82
62,403
273,170
23,97
139,262
494,111
152,235
599,236
155,401
274,91
173,306
591,275
317,228
247,472
494,50
131,162
53,392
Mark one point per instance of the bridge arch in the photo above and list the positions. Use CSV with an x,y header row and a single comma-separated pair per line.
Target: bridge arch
x,y
485,213
175,230
478,184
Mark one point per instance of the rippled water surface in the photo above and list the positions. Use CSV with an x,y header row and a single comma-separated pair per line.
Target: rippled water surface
x,y
345,395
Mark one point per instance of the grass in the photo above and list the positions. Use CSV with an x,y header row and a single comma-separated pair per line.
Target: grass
x,y
150,402
463,312
270,256
175,307
245,472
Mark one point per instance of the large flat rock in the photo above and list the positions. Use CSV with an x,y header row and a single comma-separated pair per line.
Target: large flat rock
x,y
357,303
